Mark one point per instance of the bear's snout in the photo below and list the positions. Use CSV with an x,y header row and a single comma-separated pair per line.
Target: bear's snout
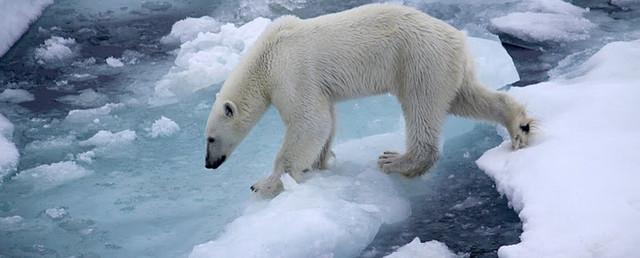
x,y
213,164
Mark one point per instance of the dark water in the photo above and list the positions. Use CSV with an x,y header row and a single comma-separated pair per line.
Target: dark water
x,y
463,210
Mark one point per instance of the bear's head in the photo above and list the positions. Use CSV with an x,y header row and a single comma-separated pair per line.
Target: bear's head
x,y
225,130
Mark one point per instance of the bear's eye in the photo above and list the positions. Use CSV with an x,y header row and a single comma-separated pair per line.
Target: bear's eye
x,y
211,140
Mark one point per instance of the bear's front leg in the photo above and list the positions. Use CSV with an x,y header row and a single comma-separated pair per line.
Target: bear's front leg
x,y
268,187
308,131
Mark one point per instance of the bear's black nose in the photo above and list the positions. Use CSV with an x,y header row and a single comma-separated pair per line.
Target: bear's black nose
x,y
215,164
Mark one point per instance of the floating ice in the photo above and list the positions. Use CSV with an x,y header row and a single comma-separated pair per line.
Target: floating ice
x,y
86,157
17,15
86,98
49,176
114,62
55,49
189,28
56,213
543,27
575,186
16,96
108,139
87,115
207,59
164,127
335,213
430,249
495,68
9,155
553,6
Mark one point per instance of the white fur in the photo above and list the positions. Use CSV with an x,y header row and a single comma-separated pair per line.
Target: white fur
x,y
303,67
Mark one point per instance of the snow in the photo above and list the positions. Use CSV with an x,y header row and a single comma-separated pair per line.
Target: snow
x,y
189,28
335,213
430,249
49,176
114,62
575,186
164,127
86,115
55,49
543,27
207,59
105,138
86,98
9,156
16,19
16,96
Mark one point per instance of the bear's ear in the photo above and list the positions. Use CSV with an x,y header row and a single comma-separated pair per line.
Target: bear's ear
x,y
229,109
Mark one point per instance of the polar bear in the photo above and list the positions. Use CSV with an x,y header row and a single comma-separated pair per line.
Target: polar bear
x,y
302,67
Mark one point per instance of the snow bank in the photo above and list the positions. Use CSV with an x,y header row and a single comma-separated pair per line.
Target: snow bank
x,y
45,177
107,138
56,49
164,127
544,21
207,59
17,15
333,214
430,249
575,187
16,96
9,155
87,115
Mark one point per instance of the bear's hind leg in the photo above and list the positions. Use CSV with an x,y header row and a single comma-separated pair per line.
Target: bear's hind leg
x,y
423,121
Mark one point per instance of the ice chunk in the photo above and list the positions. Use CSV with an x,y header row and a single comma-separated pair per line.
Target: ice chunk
x,y
56,213
575,186
108,139
16,96
17,15
188,28
49,176
164,127
553,6
56,49
86,98
494,66
86,157
207,59
430,249
114,62
9,155
543,27
86,115
333,214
